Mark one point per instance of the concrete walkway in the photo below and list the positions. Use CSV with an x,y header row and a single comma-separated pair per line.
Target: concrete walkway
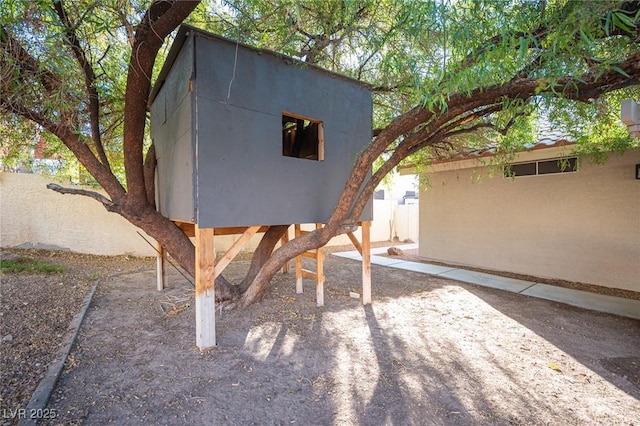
x,y
582,299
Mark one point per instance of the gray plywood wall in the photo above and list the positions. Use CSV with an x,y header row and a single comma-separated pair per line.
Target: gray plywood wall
x,y
220,155
172,125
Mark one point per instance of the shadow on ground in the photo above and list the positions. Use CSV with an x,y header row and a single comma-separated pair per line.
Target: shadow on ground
x,y
428,351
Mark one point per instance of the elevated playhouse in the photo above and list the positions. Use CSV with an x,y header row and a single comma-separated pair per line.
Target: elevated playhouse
x,y
248,138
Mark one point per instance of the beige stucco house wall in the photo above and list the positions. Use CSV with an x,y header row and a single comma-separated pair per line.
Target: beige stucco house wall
x,y
582,226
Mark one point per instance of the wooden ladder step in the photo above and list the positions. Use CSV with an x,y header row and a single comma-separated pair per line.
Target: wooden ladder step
x,y
309,274
311,255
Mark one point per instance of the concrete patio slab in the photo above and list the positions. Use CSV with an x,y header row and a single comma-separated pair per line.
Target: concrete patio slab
x,y
487,280
349,255
425,268
386,261
584,299
375,260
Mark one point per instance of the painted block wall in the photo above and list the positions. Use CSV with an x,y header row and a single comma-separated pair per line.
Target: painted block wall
x,y
582,226
33,216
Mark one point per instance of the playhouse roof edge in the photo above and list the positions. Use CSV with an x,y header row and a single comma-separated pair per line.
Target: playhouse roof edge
x,y
186,30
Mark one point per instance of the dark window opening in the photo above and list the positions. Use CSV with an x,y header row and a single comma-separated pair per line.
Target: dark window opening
x,y
558,166
564,165
302,138
524,169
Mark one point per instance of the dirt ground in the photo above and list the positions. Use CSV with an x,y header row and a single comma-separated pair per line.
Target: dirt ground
x,y
428,351
35,312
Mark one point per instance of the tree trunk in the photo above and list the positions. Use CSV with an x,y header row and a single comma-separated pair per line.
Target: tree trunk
x,y
177,244
262,253
318,238
170,236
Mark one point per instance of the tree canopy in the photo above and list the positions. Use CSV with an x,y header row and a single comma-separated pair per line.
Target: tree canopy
x,y
447,76
422,53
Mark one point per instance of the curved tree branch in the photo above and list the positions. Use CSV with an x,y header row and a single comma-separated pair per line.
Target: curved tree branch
x,y
27,63
162,17
89,80
262,253
107,203
72,140
150,174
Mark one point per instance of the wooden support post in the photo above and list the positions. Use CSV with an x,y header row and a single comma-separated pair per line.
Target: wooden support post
x,y
161,267
284,240
319,273
366,262
298,262
205,289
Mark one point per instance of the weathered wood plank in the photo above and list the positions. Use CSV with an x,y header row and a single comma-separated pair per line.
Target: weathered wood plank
x,y
320,278
284,240
309,255
238,230
188,228
161,267
205,288
309,274
234,250
366,262
319,273
299,277
320,142
355,242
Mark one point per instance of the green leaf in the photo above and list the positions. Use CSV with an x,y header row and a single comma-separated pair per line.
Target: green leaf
x,y
523,49
624,18
607,24
618,22
584,37
620,71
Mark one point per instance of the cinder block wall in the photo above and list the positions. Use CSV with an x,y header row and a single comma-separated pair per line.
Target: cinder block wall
x,y
32,215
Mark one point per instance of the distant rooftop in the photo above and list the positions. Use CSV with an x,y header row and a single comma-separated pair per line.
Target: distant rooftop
x,y
548,137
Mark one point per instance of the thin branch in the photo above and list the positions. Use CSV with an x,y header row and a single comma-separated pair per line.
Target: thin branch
x,y
385,89
107,203
128,26
28,63
72,140
532,39
89,80
502,130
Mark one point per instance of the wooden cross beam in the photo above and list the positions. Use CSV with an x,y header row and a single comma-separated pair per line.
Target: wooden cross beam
x,y
234,250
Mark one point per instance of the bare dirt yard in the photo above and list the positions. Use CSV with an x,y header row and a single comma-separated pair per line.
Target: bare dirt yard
x,y
428,351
